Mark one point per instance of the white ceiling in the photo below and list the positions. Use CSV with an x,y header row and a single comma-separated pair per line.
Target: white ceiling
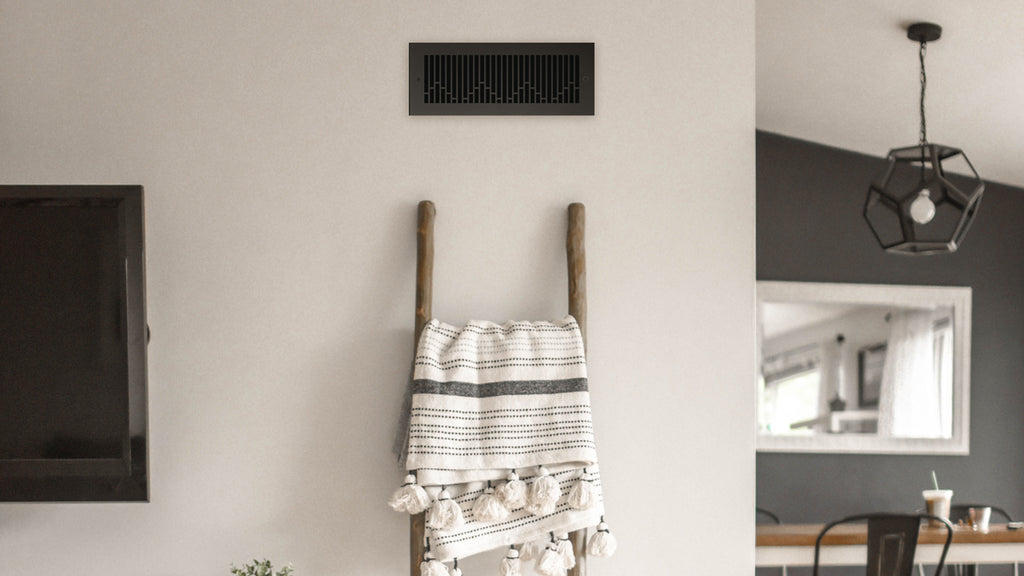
x,y
843,73
782,317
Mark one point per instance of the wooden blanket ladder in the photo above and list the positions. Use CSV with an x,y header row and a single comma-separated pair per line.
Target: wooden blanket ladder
x,y
577,263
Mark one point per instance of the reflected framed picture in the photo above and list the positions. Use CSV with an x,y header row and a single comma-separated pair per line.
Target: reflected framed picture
x,y
870,361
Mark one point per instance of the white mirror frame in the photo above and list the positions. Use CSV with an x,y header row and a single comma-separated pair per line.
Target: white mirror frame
x,y
881,294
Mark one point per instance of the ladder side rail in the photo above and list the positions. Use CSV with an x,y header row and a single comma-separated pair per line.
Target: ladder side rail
x,y
424,305
576,256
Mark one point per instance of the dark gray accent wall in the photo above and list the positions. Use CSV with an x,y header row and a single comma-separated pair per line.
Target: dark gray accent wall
x,y
810,228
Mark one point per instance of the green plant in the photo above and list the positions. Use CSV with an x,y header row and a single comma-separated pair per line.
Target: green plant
x,y
260,568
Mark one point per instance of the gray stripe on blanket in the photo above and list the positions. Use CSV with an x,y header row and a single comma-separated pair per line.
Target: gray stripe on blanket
x,y
491,389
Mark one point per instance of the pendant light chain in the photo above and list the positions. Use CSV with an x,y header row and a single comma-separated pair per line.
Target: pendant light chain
x,y
924,83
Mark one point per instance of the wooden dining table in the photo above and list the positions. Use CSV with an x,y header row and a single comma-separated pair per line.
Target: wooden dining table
x,y
846,545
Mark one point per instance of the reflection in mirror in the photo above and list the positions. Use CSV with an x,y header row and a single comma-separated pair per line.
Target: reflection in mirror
x,y
862,368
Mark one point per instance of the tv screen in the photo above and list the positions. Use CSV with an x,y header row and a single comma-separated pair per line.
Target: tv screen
x,y
73,409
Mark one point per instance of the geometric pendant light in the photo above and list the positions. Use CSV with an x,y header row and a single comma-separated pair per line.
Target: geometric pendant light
x,y
927,196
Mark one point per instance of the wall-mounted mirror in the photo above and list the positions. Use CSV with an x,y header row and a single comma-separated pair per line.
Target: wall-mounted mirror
x,y
865,368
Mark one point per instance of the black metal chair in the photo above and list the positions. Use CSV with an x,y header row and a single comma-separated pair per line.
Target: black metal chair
x,y
892,541
772,519
960,513
768,514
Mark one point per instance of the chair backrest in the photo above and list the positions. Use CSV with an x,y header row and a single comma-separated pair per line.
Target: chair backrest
x,y
767,513
892,541
958,512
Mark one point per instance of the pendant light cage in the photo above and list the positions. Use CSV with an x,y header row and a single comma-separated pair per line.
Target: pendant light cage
x,y
927,196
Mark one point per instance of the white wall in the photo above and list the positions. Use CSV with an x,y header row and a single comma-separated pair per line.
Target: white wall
x,y
282,174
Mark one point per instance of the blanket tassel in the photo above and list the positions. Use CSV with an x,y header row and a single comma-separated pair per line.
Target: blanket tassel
x,y
488,507
510,564
544,493
410,497
512,492
531,550
566,552
583,494
551,562
432,566
445,514
602,543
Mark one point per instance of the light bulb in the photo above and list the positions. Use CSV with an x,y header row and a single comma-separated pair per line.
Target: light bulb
x,y
922,209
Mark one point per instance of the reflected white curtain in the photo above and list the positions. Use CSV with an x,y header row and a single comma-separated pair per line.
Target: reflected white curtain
x,y
944,368
910,404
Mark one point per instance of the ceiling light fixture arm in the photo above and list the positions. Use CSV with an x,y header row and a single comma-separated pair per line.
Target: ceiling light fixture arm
x,y
923,33
924,84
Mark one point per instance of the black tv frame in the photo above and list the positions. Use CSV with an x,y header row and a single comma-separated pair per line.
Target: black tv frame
x,y
123,479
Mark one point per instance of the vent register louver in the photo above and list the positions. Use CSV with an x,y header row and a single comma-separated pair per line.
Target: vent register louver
x,y
501,79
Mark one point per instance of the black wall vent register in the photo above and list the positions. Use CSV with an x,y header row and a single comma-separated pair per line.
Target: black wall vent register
x,y
501,79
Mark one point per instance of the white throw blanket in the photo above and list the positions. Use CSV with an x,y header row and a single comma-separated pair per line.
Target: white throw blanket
x,y
488,399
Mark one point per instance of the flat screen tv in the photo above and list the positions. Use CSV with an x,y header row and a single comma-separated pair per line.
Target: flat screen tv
x,y
73,336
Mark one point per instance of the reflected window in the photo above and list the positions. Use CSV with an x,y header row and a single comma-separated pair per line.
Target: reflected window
x,y
791,391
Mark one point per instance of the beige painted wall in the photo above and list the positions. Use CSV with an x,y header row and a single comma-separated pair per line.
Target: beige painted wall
x,y
282,173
